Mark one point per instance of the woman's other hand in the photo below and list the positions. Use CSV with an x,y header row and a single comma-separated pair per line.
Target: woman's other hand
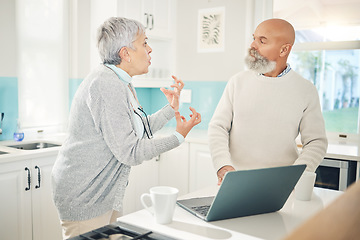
x,y
173,96
183,126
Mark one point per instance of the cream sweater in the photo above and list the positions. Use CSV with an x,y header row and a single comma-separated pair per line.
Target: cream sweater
x,y
258,119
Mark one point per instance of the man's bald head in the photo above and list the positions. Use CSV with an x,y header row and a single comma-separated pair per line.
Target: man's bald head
x,y
279,28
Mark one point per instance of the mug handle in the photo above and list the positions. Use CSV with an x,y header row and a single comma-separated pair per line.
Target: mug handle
x,y
142,197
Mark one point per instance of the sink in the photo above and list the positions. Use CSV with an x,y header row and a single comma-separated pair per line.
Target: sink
x,y
3,153
34,146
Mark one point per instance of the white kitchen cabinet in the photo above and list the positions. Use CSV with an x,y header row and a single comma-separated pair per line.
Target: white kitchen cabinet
x,y
27,210
156,15
201,170
15,207
46,223
174,168
159,19
142,178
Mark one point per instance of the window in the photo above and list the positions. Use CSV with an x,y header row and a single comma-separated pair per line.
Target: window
x,y
333,67
327,52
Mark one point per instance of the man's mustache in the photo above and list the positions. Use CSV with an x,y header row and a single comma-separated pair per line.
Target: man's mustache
x,y
254,53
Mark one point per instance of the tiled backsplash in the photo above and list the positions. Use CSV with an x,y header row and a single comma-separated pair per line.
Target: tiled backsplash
x,y
204,98
73,86
9,106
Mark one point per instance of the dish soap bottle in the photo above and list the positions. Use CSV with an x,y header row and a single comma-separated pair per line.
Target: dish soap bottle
x,y
18,134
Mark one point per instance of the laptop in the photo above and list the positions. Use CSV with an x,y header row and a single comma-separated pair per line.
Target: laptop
x,y
247,192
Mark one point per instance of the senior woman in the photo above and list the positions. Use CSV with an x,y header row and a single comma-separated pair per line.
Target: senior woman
x,y
109,132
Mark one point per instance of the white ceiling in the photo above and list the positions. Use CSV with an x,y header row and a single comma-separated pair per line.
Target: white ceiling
x,y
311,13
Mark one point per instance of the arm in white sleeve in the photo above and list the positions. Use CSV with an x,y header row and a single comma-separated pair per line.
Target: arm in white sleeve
x,y
179,137
313,135
219,129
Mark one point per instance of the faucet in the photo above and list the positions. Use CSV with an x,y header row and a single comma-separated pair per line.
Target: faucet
x,y
1,121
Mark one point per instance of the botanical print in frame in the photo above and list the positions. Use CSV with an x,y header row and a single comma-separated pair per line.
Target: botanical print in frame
x,y
211,27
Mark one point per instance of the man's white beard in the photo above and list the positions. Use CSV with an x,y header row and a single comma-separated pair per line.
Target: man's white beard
x,y
259,63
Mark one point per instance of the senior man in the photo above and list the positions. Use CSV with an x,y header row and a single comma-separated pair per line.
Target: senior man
x,y
264,109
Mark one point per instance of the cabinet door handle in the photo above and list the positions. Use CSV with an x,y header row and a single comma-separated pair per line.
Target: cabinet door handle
x,y
147,20
152,22
39,176
28,179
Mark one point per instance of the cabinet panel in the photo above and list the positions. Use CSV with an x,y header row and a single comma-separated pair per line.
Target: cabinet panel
x,y
15,207
159,17
156,15
174,168
148,15
29,209
130,9
201,171
46,223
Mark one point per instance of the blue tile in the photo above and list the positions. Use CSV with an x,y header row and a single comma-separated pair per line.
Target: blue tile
x,y
9,106
73,86
204,98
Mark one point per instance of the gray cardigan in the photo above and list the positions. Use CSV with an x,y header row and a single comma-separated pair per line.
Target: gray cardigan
x,y
92,169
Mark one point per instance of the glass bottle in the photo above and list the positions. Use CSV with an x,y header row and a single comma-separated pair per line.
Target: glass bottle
x,y
18,134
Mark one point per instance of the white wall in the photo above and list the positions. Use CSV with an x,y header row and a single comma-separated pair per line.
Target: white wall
x,y
99,13
241,17
85,17
8,52
79,13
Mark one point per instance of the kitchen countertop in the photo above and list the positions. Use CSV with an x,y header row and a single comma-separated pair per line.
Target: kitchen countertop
x,y
336,150
346,151
275,225
14,154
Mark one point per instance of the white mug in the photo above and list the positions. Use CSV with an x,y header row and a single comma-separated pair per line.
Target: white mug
x,y
163,200
305,186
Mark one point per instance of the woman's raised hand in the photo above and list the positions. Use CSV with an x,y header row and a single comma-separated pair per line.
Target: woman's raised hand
x,y
173,96
183,126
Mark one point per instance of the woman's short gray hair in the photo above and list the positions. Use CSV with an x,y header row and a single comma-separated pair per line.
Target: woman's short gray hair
x,y
114,34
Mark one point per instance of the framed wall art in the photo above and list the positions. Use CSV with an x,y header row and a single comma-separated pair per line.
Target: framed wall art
x,y
211,30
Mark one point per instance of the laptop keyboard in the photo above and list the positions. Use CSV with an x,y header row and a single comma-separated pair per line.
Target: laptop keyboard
x,y
202,210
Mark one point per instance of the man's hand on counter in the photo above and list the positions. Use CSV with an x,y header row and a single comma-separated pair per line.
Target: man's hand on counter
x,y
222,171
